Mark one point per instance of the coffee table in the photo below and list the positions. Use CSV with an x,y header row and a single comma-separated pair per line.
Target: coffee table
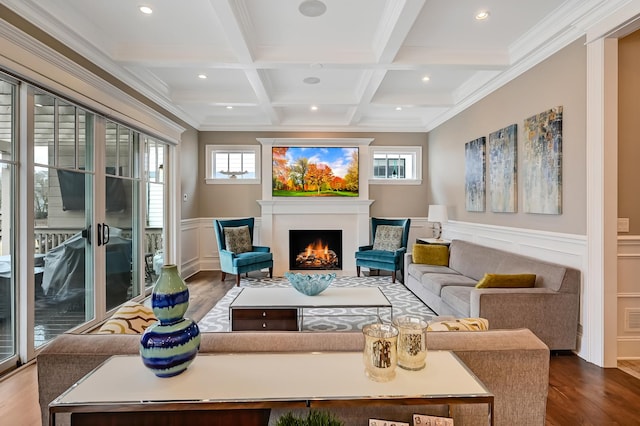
x,y
228,386
271,309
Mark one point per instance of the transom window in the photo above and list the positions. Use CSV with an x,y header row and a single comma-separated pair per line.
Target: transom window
x,y
399,165
228,164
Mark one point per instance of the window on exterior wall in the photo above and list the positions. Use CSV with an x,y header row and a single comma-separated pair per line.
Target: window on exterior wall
x,y
229,164
396,165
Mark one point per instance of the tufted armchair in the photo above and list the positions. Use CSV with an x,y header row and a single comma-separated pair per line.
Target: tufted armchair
x,y
389,237
237,253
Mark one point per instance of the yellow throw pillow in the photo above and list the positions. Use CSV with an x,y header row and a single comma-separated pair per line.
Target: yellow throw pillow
x,y
131,318
507,281
460,324
431,254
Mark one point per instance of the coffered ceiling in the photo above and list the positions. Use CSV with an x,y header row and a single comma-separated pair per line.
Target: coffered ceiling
x,y
359,66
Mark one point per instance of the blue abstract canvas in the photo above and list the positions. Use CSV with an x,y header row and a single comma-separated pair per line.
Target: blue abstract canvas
x,y
474,181
542,163
503,165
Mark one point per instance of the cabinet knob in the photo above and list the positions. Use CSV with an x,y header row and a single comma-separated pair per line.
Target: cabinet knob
x,y
264,325
264,314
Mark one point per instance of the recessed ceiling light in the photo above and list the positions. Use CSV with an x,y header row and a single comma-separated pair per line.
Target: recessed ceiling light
x,y
229,107
146,10
426,78
311,80
312,8
314,107
398,108
482,15
202,76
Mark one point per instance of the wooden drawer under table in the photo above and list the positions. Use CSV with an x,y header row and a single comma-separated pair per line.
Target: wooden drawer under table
x,y
264,319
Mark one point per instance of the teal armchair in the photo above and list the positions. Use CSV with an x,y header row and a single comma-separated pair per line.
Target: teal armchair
x,y
237,253
389,244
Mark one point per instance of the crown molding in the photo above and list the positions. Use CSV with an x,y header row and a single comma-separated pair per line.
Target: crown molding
x,y
80,85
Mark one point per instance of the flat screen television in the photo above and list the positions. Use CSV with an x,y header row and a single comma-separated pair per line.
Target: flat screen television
x,y
306,171
72,191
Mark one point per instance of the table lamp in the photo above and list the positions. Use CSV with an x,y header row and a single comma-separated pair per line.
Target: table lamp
x,y
438,214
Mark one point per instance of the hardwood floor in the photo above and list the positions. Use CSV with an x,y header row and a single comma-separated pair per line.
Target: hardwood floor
x,y
580,393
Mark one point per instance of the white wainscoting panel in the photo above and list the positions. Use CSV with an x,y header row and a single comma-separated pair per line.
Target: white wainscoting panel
x,y
628,297
200,249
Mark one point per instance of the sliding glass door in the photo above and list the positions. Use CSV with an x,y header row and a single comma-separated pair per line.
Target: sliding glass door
x,y
82,217
63,216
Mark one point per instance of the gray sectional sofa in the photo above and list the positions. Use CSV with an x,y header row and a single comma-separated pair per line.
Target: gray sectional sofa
x,y
495,356
550,309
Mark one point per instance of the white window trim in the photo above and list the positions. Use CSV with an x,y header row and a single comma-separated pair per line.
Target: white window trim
x,y
416,151
210,149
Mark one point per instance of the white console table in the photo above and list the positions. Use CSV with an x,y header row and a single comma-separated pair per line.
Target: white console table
x,y
260,381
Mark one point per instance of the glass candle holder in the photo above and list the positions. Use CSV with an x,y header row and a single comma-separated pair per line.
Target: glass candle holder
x,y
412,342
380,351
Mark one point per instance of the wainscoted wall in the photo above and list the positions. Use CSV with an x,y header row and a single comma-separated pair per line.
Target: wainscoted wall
x,y
629,297
200,249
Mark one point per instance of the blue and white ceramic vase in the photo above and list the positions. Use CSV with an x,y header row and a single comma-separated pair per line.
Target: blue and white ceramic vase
x,y
170,345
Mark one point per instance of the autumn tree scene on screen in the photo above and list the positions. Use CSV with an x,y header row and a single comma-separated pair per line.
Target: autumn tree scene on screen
x,y
315,171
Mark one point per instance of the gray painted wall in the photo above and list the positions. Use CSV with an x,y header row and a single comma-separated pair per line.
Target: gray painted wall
x,y
240,200
188,179
628,146
559,80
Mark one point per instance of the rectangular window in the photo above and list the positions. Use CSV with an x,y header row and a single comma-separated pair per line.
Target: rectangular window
x,y
233,164
396,165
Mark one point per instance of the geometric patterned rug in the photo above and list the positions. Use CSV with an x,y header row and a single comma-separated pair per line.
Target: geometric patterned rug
x,y
324,319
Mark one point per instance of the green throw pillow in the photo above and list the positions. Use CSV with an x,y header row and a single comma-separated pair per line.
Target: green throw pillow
x,y
388,237
431,254
507,281
238,239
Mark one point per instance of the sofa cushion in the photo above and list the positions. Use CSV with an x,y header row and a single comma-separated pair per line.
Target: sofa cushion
x,y
436,282
507,281
250,258
431,254
237,239
458,298
388,237
417,270
460,324
131,318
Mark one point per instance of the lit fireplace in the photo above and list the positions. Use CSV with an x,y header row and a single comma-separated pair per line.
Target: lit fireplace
x,y
315,249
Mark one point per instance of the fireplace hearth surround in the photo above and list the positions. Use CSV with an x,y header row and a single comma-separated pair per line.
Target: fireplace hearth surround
x,y
279,215
314,249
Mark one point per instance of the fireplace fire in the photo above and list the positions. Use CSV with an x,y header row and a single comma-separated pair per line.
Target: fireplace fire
x,y
315,249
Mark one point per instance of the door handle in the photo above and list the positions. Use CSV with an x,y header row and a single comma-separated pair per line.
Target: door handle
x,y
99,234
105,234
86,233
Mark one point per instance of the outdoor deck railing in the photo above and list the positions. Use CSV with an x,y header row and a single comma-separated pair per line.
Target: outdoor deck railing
x,y
48,238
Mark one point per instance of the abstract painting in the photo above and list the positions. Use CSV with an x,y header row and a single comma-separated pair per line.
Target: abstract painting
x,y
542,163
503,164
474,183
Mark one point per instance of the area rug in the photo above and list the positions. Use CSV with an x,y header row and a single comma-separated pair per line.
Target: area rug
x,y
323,319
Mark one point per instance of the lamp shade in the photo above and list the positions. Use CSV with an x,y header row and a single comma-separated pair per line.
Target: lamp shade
x,y
437,213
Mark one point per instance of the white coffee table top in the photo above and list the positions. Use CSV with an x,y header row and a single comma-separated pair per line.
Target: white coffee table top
x,y
247,377
288,297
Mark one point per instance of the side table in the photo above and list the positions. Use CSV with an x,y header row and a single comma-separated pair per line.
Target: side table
x,y
433,241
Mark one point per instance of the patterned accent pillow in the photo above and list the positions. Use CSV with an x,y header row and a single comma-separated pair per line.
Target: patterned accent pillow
x,y
131,318
460,324
238,239
388,237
